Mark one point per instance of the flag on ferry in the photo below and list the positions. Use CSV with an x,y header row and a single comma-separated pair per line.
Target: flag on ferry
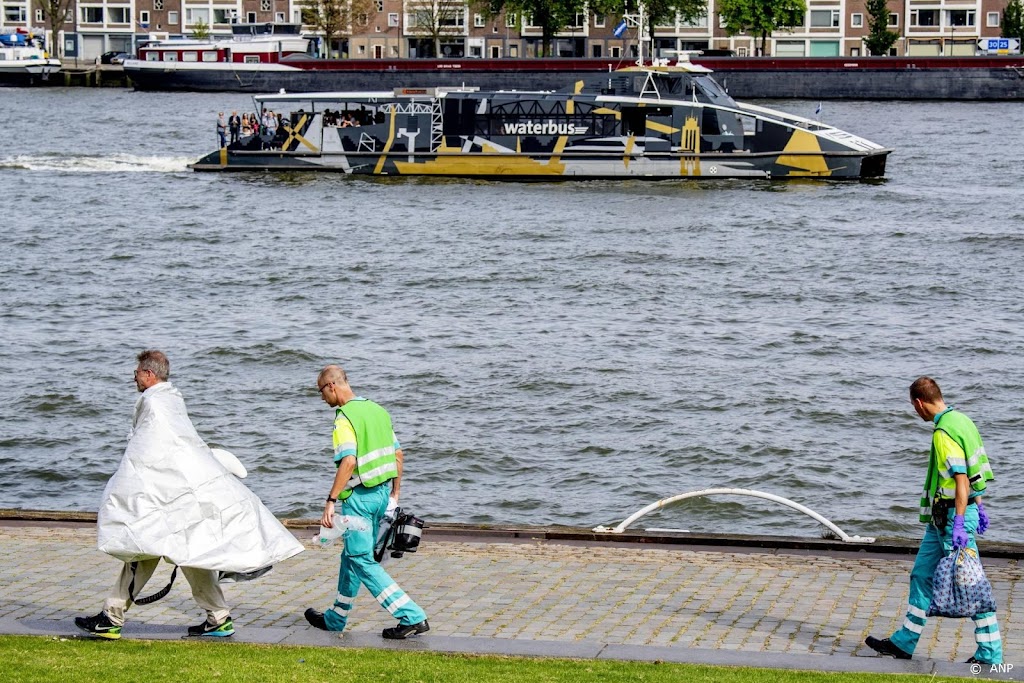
x,y
620,29
818,110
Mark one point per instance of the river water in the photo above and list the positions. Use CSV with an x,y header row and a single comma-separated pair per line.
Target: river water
x,y
550,353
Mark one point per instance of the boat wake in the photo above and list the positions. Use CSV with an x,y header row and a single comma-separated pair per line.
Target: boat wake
x,y
106,163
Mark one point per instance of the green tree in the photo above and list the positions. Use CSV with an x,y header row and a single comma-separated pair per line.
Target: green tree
x,y
551,16
880,38
761,17
436,20
1013,20
200,30
55,14
333,19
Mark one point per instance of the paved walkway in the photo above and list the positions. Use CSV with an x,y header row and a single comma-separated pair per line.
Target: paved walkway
x,y
787,609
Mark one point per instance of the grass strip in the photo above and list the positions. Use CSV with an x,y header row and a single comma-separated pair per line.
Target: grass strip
x,y
32,659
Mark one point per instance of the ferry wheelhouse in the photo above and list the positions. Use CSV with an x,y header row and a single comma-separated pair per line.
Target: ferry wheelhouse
x,y
649,122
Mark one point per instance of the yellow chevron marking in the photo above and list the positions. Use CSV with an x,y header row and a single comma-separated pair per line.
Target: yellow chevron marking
x,y
661,127
476,165
805,164
392,116
629,150
578,88
605,110
293,135
223,156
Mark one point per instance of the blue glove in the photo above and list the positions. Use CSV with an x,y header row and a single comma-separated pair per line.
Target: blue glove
x,y
959,533
982,519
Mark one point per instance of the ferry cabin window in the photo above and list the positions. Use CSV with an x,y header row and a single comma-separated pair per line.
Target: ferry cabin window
x,y
252,59
209,55
189,56
152,56
459,117
170,56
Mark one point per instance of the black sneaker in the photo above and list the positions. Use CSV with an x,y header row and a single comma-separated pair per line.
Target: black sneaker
x,y
99,626
222,630
886,647
401,632
316,619
975,660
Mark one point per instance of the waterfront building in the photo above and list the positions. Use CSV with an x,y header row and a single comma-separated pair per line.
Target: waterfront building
x,y
419,28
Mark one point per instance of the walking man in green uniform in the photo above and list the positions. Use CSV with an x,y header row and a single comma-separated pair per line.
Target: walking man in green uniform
x,y
369,462
958,471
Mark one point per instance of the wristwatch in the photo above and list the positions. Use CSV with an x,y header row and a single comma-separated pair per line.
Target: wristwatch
x,y
331,500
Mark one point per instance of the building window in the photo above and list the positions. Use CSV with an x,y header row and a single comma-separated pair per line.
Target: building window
x,y
222,16
614,51
265,5
924,17
599,21
144,18
824,18
158,4
581,21
513,51
90,15
15,13
393,19
476,51
721,21
741,52
172,18
960,17
495,51
394,50
855,52
39,16
361,50
380,5
894,19
250,17
478,20
279,17
510,21
992,19
857,20
118,15
194,15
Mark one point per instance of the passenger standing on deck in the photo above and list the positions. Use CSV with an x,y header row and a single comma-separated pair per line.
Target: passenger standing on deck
x,y
222,127
235,126
958,470
368,459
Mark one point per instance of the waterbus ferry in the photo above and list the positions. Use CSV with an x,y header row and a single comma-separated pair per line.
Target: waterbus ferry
x,y
648,122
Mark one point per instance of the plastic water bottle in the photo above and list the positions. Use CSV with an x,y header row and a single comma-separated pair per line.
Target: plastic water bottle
x,y
342,523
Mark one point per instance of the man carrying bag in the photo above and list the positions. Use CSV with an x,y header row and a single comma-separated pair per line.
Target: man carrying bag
x,y
958,472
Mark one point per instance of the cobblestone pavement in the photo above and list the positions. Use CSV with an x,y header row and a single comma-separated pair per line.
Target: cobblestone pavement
x,y
751,602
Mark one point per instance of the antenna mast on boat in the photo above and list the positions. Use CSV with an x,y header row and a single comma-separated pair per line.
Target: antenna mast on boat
x,y
640,21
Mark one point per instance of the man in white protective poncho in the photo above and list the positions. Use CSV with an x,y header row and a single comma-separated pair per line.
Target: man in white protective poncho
x,y
172,497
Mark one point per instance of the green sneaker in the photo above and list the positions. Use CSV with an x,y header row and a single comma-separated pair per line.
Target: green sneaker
x,y
223,630
99,626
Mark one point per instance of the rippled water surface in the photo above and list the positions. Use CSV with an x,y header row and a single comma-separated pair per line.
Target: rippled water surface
x,y
551,353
